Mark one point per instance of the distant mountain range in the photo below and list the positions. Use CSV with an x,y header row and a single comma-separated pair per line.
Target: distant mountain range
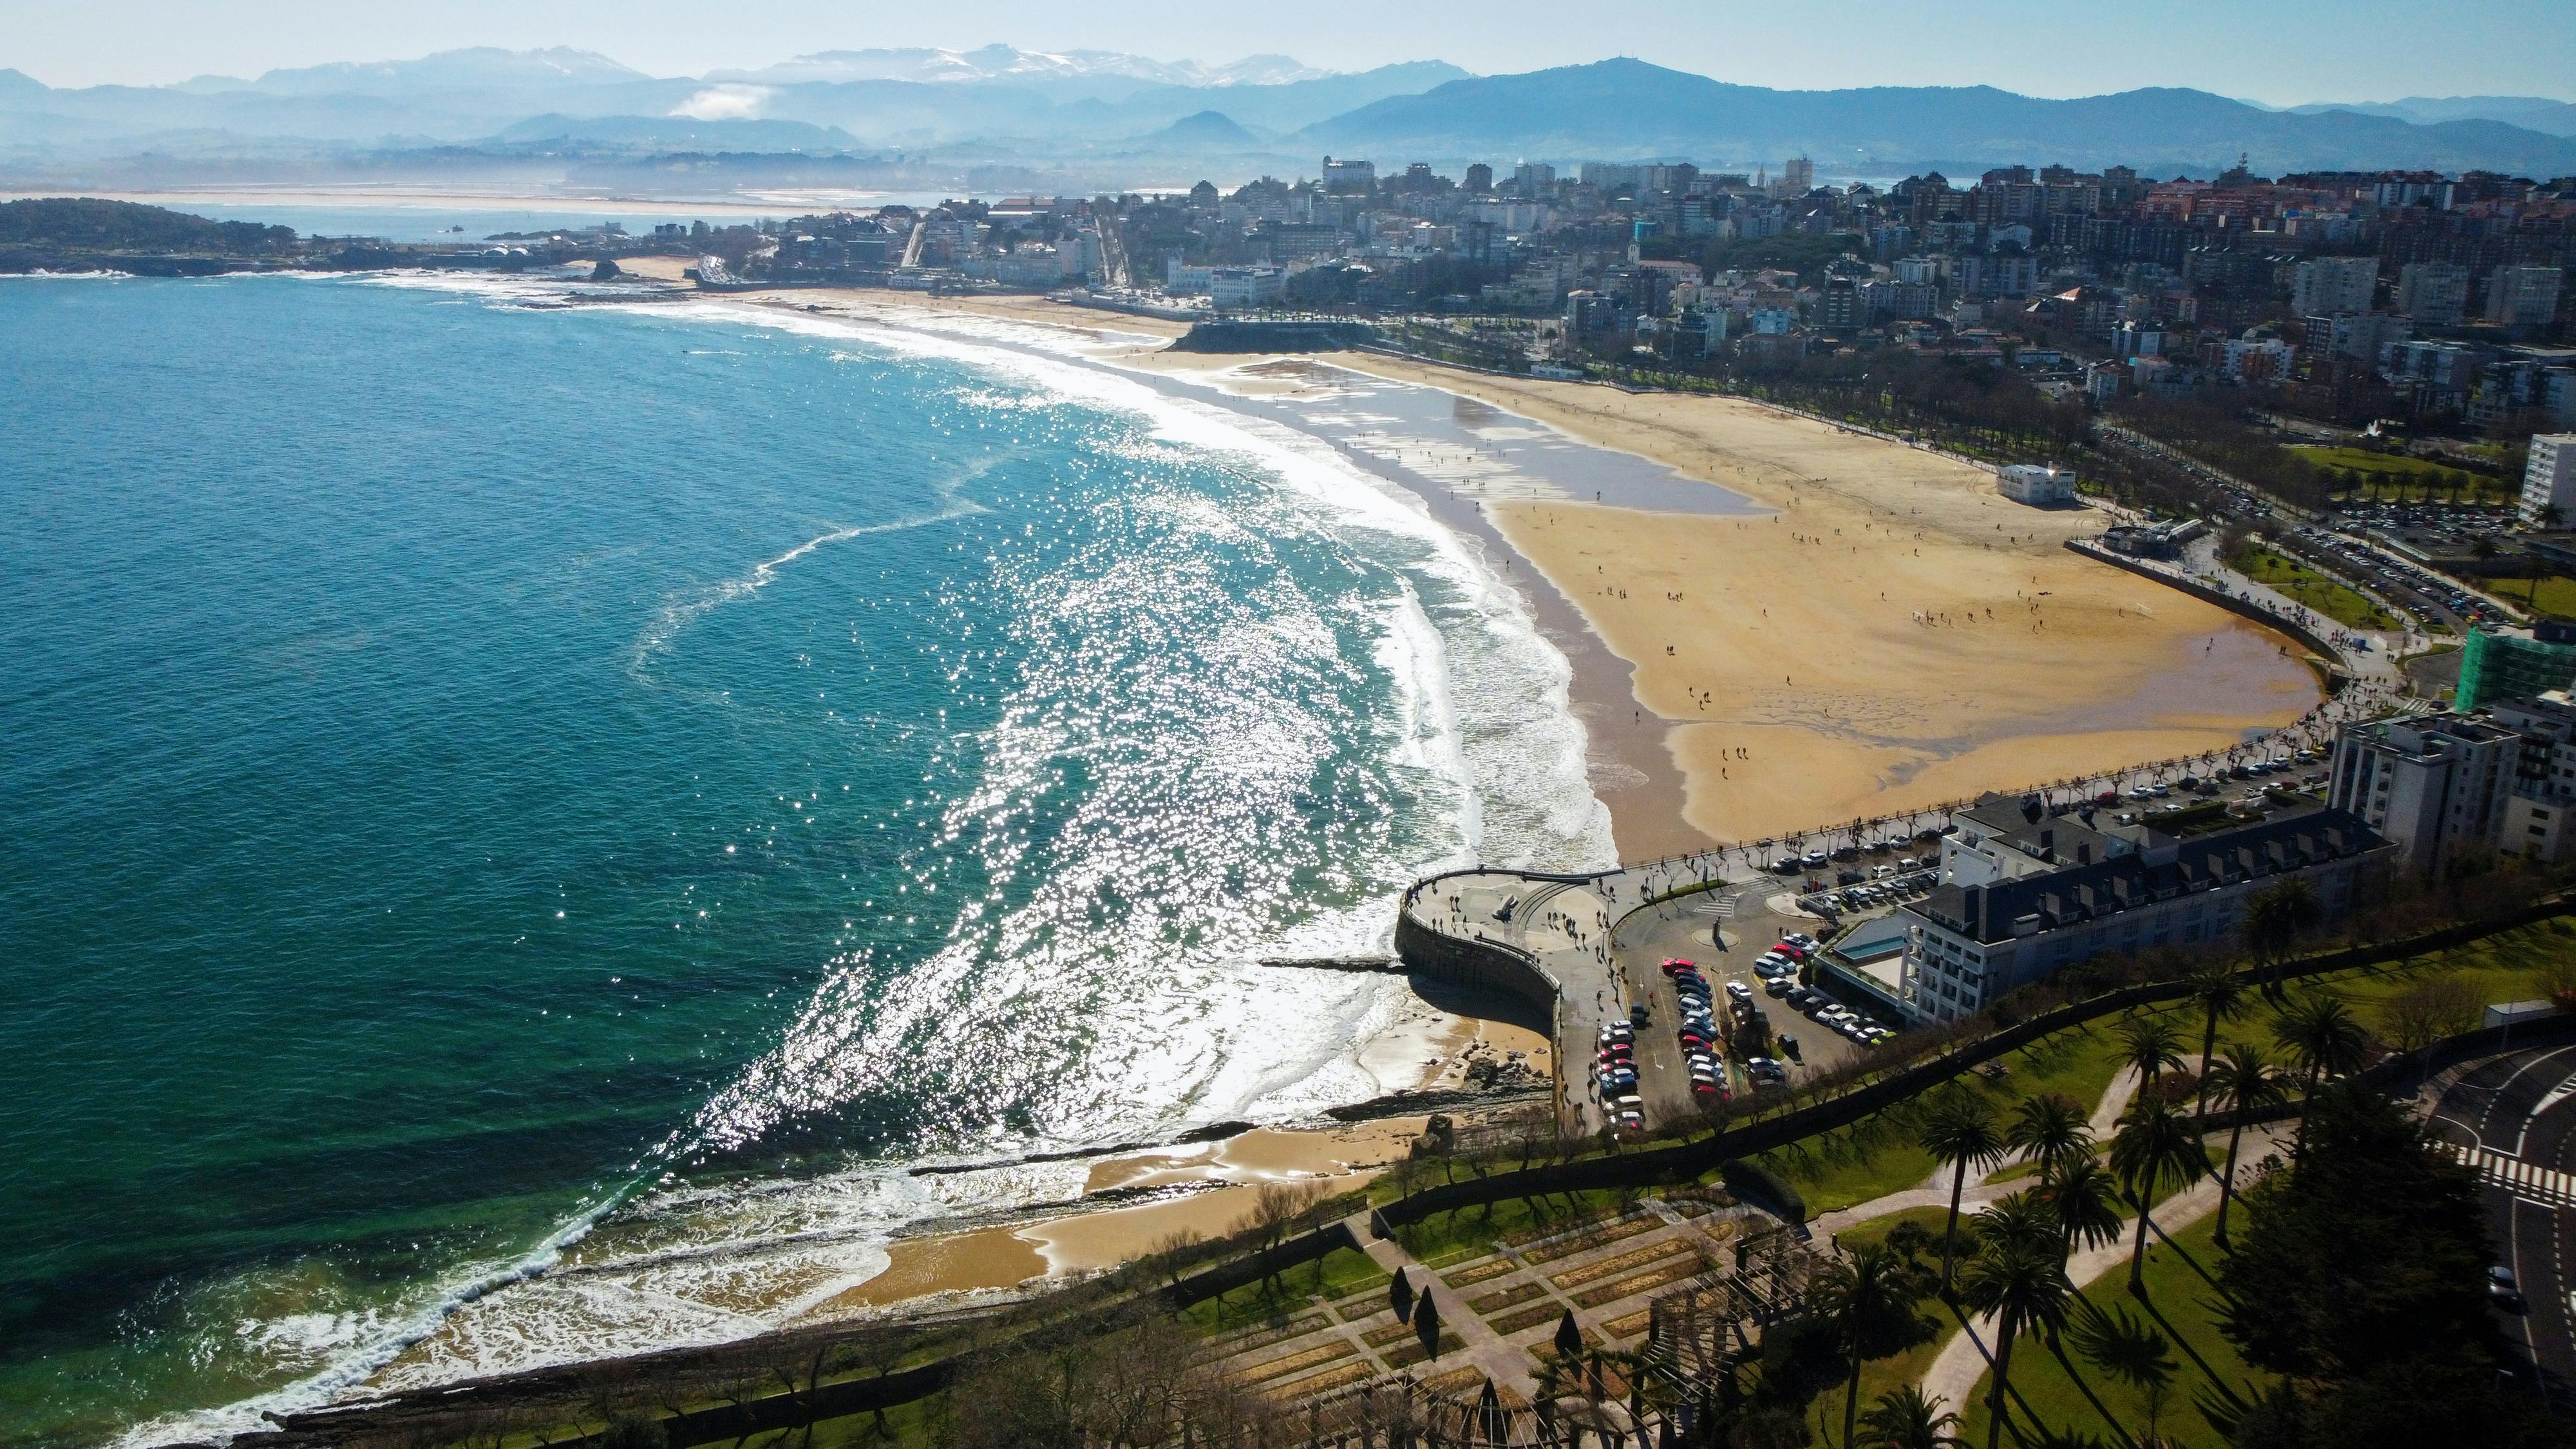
x,y
1121,119
2536,113
1621,109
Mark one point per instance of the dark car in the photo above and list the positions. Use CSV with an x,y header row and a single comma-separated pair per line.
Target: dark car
x,y
2502,1289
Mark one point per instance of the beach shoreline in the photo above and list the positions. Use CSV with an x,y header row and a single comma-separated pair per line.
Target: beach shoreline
x,y
1937,640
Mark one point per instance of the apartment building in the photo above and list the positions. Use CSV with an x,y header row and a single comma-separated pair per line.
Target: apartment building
x,y
2549,482
2046,890
2434,294
2438,786
2435,785
2329,285
2523,296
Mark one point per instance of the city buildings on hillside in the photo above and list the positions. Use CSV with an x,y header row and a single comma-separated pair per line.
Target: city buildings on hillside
x,y
2352,296
2027,890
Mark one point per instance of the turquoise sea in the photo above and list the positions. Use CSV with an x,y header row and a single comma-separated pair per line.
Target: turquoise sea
x,y
493,784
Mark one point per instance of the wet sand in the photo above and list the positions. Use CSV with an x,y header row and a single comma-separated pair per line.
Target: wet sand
x,y
1894,634
1337,1159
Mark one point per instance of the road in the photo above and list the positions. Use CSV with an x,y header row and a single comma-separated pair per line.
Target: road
x,y
2514,1118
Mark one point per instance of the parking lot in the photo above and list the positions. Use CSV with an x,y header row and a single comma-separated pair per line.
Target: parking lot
x,y
2395,581
1724,933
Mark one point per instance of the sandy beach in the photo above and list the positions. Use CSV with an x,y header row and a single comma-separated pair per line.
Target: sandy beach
x,y
1881,631
1894,634
1215,1184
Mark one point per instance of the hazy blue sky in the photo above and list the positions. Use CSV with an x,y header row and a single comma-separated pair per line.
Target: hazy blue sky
x,y
2278,51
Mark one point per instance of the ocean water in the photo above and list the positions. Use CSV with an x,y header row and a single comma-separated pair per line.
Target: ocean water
x,y
521,821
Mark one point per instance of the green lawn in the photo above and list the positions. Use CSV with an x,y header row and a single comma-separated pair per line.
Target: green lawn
x,y
2309,587
1878,1155
2419,479
2550,594
1443,1239
1337,1274
2181,1305
2523,964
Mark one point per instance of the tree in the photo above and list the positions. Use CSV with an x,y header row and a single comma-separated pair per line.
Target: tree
x,y
2084,1200
2320,1035
2149,1046
2220,993
2430,1008
1904,1419
2155,1150
2023,1284
1869,1298
1277,1212
1959,1130
2278,915
2022,1216
2245,1079
2359,1282
2050,1129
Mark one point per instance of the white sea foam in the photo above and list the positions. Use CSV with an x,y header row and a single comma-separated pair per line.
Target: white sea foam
x,y
1482,719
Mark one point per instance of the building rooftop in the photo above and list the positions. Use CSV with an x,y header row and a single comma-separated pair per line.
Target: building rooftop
x,y
2166,867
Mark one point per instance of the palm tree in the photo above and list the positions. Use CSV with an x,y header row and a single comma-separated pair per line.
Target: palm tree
x,y
2050,1130
2277,915
1869,1299
2320,1034
2085,1201
2023,1284
2221,994
2245,1079
2154,1150
1904,1419
1959,1130
2148,1046
2022,1217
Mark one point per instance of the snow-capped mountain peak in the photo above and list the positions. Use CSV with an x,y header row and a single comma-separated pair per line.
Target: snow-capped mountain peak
x,y
999,62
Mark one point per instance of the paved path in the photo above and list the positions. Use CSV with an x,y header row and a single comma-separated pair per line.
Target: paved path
x,y
1964,1359
1494,1355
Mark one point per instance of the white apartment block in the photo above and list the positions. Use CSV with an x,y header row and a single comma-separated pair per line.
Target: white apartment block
x,y
2026,892
2523,296
2331,285
2549,481
2544,781
2435,785
2435,294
